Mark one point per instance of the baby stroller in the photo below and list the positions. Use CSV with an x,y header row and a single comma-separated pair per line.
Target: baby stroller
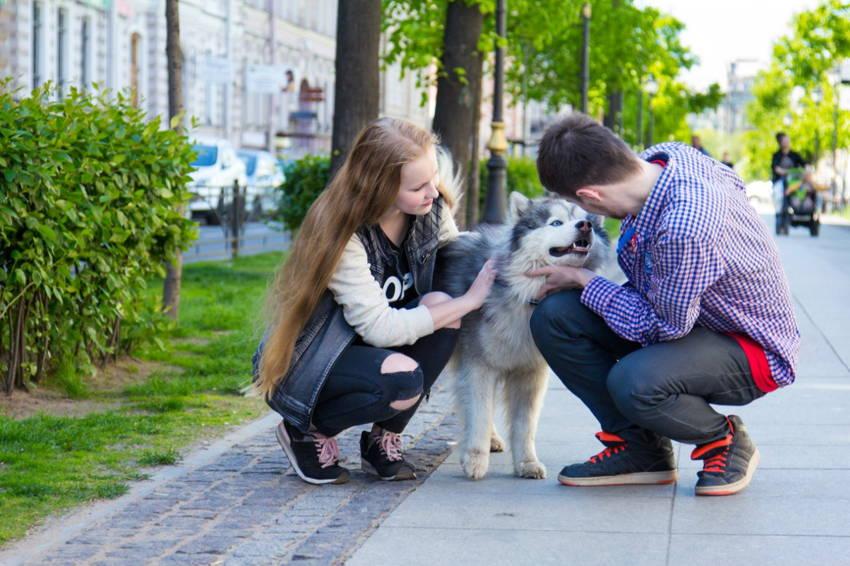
x,y
799,207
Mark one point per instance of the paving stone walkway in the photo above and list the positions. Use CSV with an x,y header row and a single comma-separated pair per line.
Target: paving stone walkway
x,y
248,507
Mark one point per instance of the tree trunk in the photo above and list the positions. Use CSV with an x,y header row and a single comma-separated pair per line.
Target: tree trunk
x,y
613,115
356,89
473,177
614,112
174,58
454,118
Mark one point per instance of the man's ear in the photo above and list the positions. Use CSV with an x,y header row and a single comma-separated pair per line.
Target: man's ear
x,y
517,205
590,194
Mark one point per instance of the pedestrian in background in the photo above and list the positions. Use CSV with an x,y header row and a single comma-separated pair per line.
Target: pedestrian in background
x,y
696,143
783,162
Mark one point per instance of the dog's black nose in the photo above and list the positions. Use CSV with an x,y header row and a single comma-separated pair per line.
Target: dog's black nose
x,y
584,226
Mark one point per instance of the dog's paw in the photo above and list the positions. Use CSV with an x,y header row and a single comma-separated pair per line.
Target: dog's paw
x,y
531,469
496,443
475,463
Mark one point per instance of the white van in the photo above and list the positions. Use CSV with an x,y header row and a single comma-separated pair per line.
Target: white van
x,y
216,169
264,176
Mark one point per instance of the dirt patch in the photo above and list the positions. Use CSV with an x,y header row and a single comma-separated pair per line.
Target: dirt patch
x,y
110,379
126,371
22,405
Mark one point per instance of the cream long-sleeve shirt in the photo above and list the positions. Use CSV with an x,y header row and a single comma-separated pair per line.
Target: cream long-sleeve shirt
x,y
364,304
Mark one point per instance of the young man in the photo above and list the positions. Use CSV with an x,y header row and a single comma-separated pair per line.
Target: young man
x,y
704,318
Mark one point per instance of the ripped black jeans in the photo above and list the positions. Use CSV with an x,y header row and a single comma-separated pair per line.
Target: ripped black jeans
x,y
357,393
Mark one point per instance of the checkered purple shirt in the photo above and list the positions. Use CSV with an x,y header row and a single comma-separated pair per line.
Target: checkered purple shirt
x,y
698,254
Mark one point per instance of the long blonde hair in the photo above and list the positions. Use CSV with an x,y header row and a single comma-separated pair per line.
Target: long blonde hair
x,y
363,189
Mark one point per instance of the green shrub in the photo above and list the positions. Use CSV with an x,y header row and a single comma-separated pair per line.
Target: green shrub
x,y
521,177
305,179
89,198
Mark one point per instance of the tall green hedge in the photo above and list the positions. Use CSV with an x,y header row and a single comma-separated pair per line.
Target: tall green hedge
x,y
89,197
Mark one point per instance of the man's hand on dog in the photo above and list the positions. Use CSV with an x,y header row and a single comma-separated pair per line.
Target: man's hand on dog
x,y
560,277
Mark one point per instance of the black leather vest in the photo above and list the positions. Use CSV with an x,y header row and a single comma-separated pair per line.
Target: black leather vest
x,y
327,334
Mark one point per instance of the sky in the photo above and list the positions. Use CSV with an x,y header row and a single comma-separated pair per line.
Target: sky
x,y
720,31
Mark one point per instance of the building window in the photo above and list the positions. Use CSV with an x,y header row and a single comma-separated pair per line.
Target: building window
x,y
61,35
85,37
135,64
36,44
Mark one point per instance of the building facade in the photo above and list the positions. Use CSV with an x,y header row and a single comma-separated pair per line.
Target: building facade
x,y
740,77
259,73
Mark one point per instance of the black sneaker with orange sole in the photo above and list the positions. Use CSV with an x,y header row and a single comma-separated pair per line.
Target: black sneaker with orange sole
x,y
637,461
728,463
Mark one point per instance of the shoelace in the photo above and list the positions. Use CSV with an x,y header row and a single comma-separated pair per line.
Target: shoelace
x,y
607,453
327,450
716,463
391,446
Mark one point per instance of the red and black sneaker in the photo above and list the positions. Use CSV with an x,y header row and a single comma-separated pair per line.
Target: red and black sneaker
x,y
728,463
643,460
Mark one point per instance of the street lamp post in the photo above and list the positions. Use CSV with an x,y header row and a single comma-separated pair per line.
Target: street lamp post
x,y
494,207
585,55
651,90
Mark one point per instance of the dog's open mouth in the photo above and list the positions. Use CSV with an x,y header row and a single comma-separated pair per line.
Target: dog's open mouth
x,y
579,247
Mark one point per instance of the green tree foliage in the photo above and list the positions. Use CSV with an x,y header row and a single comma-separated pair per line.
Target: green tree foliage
x,y
88,201
786,94
628,45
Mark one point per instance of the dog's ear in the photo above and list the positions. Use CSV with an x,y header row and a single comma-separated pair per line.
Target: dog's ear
x,y
517,204
551,194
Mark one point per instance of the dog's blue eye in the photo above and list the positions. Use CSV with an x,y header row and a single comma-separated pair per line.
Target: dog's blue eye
x,y
556,223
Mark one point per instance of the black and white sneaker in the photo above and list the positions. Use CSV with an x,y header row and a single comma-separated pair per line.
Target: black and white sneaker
x,y
314,457
728,463
643,459
380,454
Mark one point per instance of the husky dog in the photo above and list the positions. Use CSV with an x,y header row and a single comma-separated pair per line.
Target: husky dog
x,y
495,349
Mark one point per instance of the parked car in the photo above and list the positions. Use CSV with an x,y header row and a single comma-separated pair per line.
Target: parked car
x,y
216,169
264,176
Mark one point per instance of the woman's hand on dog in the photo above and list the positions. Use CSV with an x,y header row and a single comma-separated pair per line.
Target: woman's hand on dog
x,y
477,293
560,277
447,312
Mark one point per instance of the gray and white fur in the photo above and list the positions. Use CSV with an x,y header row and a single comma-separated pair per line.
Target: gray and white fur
x,y
495,351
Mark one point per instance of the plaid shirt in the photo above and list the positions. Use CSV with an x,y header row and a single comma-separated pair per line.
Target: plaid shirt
x,y
698,254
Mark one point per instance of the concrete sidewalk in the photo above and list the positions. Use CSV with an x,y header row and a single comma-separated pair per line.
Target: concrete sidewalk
x,y
796,511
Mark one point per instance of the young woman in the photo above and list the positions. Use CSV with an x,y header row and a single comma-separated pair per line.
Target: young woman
x,y
356,335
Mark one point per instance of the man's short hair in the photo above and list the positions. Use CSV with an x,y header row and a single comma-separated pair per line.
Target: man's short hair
x,y
577,151
779,136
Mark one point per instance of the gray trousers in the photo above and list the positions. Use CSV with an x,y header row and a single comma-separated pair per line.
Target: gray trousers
x,y
666,388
